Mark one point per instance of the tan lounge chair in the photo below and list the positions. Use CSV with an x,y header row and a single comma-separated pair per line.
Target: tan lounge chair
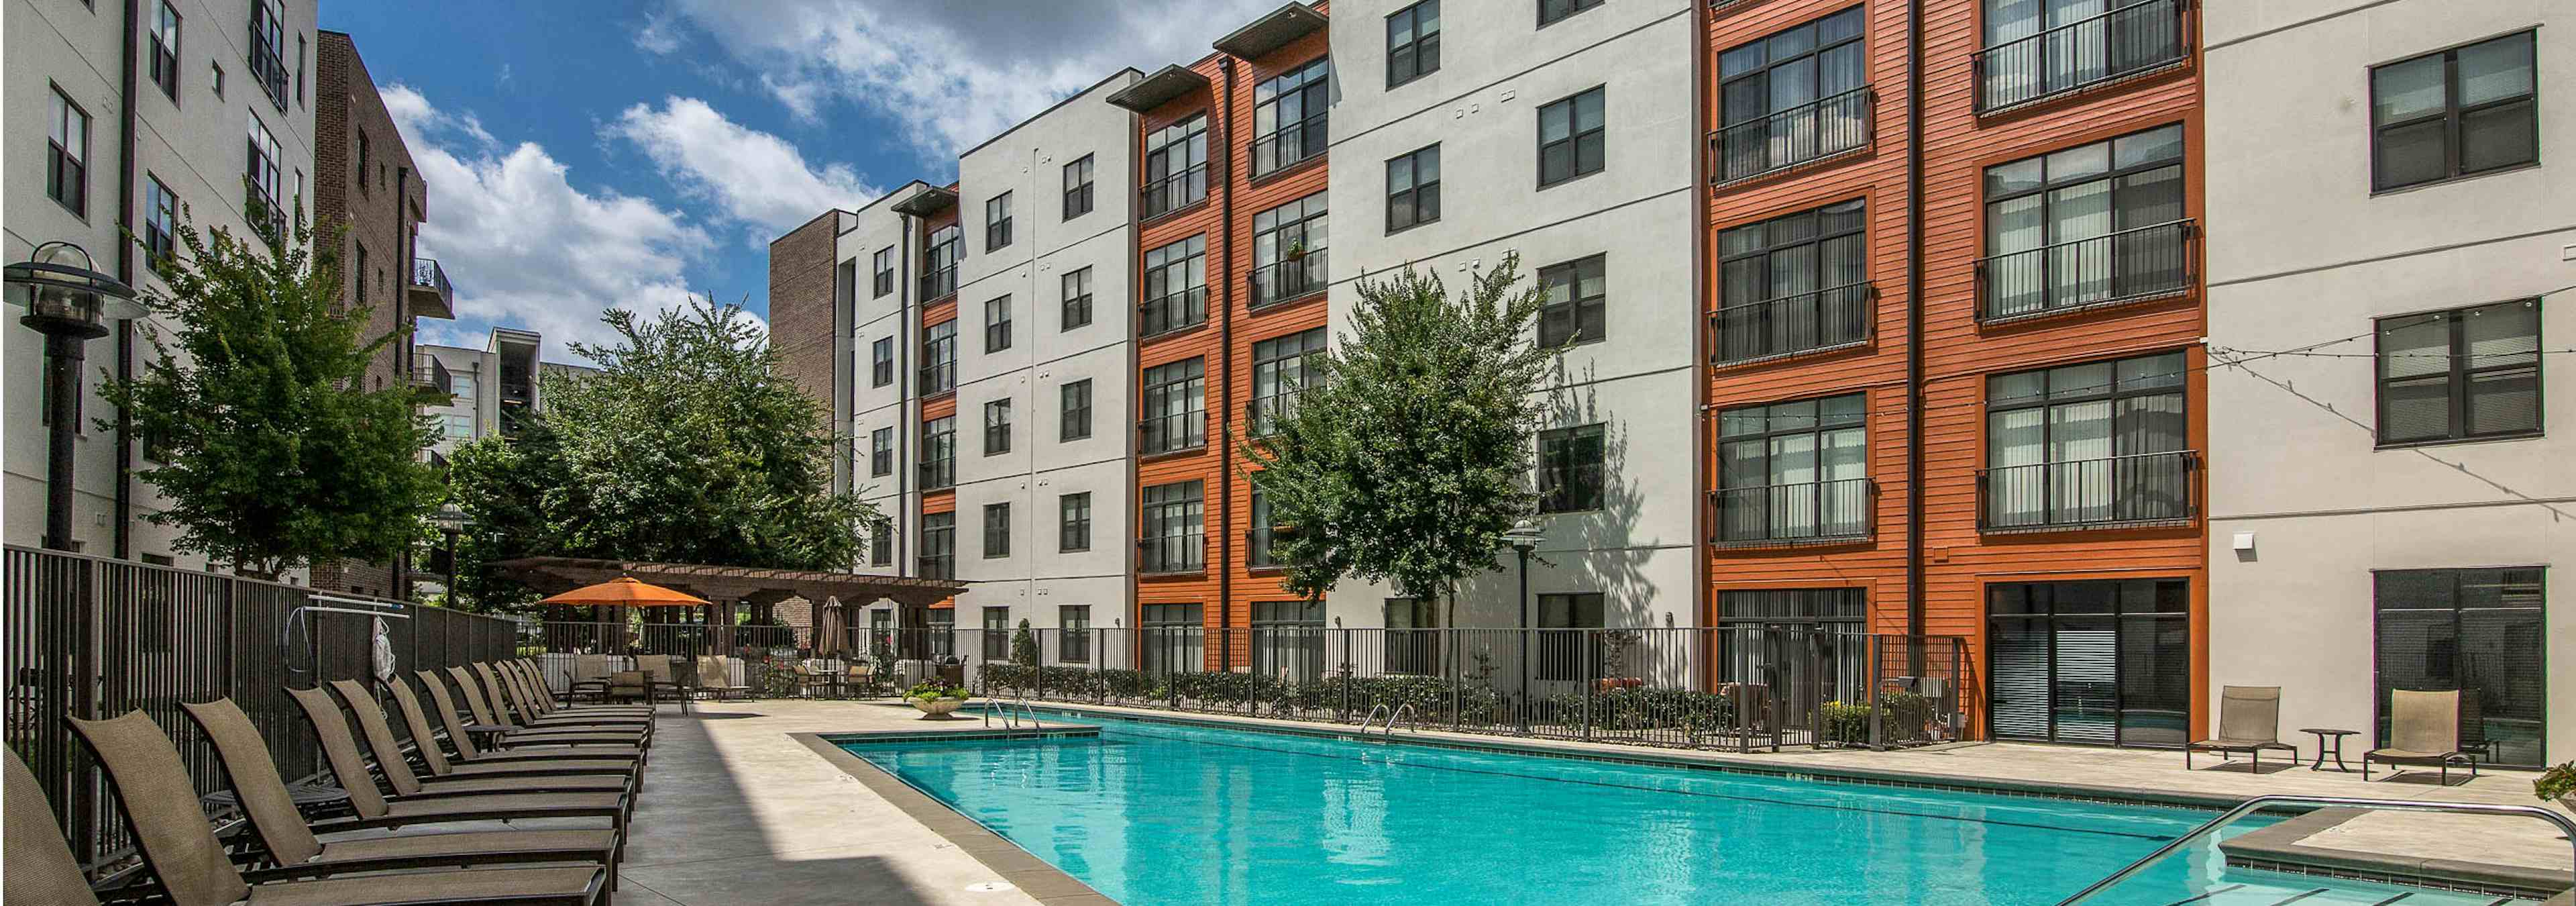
x,y
36,863
490,713
2423,729
425,743
715,677
517,704
468,751
532,681
2249,721
340,750
396,767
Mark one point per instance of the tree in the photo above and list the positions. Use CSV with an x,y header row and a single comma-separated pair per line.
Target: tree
x,y
1024,645
273,449
501,481
1410,459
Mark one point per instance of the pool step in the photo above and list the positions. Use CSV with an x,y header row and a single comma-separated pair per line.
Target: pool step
x,y
2250,895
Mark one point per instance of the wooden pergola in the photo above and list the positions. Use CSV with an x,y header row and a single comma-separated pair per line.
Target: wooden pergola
x,y
760,587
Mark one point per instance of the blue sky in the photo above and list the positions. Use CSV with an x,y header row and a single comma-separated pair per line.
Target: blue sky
x,y
583,155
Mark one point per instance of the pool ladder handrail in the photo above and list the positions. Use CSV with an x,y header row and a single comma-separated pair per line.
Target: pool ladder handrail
x,y
2259,803
1012,710
1393,714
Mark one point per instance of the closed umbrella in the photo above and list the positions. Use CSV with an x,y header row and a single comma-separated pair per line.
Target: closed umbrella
x,y
828,628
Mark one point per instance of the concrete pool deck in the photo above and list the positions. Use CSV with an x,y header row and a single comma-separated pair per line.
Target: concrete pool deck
x,y
738,808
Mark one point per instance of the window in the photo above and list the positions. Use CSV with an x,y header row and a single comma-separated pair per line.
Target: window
x,y
881,362
943,630
939,263
1077,188
1288,640
1073,633
2089,444
2104,662
361,248
2091,225
1077,299
1073,523
1413,42
1175,407
1793,471
2460,374
997,635
1413,189
1570,138
1175,529
1793,97
1175,167
883,263
1075,411
2455,113
997,530
1570,468
1175,287
1282,369
1551,12
160,222
1413,636
362,158
939,358
1289,112
1172,637
881,451
1257,539
268,50
1574,311
165,48
1794,283
997,324
264,206
997,427
1566,623
217,80
2479,631
939,453
997,221
1288,251
939,545
2039,50
881,543
299,70
67,158
457,426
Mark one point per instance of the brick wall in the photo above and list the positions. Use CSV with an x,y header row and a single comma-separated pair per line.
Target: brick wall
x,y
800,307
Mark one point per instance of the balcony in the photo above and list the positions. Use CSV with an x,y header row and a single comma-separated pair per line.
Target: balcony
x,y
1172,554
1810,132
2132,265
1287,281
1262,415
268,68
2133,40
1173,311
1834,318
938,284
2137,490
430,295
938,378
1293,144
938,474
1816,512
432,377
1172,192
1172,433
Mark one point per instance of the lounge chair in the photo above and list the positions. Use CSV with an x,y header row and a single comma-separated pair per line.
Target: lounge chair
x,y
2249,721
471,753
425,742
659,676
518,703
715,677
36,864
2423,729
490,713
533,679
589,674
190,866
397,771
340,749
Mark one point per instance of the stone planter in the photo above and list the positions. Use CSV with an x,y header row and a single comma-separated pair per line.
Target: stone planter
x,y
938,708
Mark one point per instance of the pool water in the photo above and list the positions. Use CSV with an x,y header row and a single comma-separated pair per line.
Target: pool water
x,y
1164,813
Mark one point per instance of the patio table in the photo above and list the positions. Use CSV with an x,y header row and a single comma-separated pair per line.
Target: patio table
x,y
2329,741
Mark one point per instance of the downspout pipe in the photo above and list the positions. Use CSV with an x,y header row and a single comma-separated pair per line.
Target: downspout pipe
x,y
403,254
1225,362
124,533
1702,597
1914,578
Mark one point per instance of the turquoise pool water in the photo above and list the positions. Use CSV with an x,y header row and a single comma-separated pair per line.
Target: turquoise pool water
x,y
1153,813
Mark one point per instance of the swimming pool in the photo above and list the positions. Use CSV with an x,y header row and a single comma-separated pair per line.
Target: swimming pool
x,y
1152,812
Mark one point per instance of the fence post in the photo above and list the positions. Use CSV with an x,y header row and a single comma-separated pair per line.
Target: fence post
x,y
1456,697
1346,675
1591,666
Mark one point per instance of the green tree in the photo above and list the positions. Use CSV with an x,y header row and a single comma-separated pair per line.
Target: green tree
x,y
273,449
1024,645
501,482
1410,459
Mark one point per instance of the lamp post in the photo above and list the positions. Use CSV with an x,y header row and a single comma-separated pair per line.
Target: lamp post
x,y
451,521
68,301
1524,536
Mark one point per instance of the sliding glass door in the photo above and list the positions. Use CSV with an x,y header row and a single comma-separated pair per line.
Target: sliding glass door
x,y
2100,662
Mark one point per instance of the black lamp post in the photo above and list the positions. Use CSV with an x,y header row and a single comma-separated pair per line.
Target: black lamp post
x,y
68,301
452,521
1524,536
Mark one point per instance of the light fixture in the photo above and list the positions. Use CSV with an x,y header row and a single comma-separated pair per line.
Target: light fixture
x,y
70,302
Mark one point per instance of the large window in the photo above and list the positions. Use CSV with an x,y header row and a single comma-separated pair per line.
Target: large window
x,y
1572,139
1800,644
2460,374
1077,188
881,543
943,630
1073,633
997,635
997,324
997,530
1551,12
1795,96
2481,632
1171,637
1076,289
883,264
1074,411
1793,471
160,222
1073,522
2042,48
1563,620
1794,283
2105,662
266,179
939,358
881,451
268,51
1288,116
2458,112
1413,636
165,48
1174,539
939,545
1571,472
881,362
1413,189
939,263
1175,407
1282,369
1175,287
1257,540
997,427
1288,251
2091,225
1176,158
997,221
939,453
1288,640
2100,443
1576,310
67,154
1412,42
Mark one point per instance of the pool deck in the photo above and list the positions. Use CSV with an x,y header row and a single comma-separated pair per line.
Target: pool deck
x,y
740,804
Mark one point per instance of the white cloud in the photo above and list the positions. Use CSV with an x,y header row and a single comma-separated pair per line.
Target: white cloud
x,y
748,175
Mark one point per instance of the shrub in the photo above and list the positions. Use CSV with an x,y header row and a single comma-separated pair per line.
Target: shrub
x,y
1843,722
2556,782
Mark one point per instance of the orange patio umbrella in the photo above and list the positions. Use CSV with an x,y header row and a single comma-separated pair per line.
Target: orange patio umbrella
x,y
625,591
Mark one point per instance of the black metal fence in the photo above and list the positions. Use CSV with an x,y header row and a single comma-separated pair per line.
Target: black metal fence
x,y
751,651
99,637
2131,39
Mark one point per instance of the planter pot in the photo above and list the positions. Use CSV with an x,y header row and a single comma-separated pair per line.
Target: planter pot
x,y
2568,802
938,708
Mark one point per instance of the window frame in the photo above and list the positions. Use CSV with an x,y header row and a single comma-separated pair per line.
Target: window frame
x,y
1765,250
881,362
1272,356
2046,400
997,426
939,358
1553,477
160,222
2461,374
1073,411
938,453
1418,42
881,271
67,169
1567,9
997,324
1189,137
2452,113
881,452
938,557
1079,181
1074,308
881,542
996,634
1073,633
940,253
1073,522
2046,188
1572,106
1182,383
997,222
1574,303
164,68
997,530
1173,513
1830,117
1313,87
1312,226
1187,256
1817,429
1415,189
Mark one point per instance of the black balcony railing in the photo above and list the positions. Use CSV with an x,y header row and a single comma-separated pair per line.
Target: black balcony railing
x,y
1291,145
1264,412
517,392
1172,311
428,373
268,68
1172,192
2131,265
1282,281
1806,322
1809,512
2136,489
938,378
2135,38
1808,132
938,473
938,284
1171,554
1167,433
427,275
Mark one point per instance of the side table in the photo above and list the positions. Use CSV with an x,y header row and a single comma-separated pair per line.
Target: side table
x,y
2329,742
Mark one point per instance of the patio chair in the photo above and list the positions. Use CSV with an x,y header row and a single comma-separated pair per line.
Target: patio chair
x,y
715,678
425,742
331,728
524,750
2249,721
292,843
589,673
397,771
189,864
529,707
36,863
2423,729
494,714
808,679
422,806
658,674
545,706
862,675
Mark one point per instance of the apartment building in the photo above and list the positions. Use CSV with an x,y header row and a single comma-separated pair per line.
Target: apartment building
x,y
2390,266
479,393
